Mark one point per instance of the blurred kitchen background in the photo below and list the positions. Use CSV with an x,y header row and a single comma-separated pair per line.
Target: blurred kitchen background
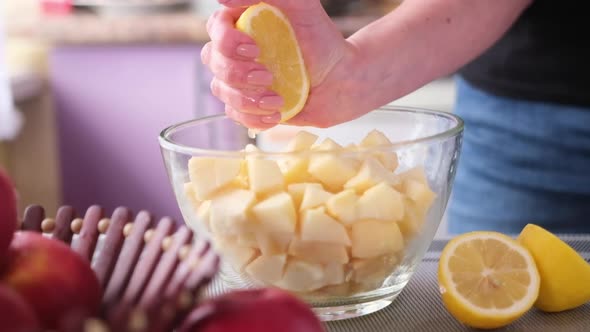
x,y
87,85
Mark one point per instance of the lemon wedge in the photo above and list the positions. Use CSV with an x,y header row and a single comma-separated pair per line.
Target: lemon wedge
x,y
280,53
565,275
487,279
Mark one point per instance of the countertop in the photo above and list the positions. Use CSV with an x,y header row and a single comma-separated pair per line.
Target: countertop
x,y
155,28
419,306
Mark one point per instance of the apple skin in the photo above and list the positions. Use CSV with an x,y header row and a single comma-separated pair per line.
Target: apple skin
x,y
8,213
17,315
256,310
57,282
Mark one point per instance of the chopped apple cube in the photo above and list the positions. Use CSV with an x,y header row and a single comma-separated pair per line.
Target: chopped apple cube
x,y
375,138
342,206
241,181
417,173
418,192
318,252
314,197
331,170
195,204
327,144
273,243
189,193
373,271
229,211
208,175
371,238
204,214
264,175
204,210
237,256
381,202
302,141
351,147
302,276
296,190
218,242
267,269
294,169
247,237
316,225
370,174
334,273
388,159
412,221
342,289
276,214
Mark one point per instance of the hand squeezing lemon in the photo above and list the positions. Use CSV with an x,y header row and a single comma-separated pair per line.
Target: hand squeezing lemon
x,y
488,280
280,53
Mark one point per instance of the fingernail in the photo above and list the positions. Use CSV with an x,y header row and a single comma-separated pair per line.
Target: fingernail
x,y
271,119
255,89
259,77
271,102
248,50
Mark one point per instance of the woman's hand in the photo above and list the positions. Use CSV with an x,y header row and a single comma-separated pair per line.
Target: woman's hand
x,y
241,83
391,57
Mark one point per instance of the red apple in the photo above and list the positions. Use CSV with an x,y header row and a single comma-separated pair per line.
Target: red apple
x,y
8,213
57,282
16,314
261,310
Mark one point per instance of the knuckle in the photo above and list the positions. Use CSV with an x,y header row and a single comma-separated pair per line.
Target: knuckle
x,y
234,73
244,102
230,112
206,53
228,42
239,102
211,22
214,86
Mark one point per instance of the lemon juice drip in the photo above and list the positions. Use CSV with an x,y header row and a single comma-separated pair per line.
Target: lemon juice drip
x,y
253,132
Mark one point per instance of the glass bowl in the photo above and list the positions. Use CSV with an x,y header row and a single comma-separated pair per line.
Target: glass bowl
x,y
343,223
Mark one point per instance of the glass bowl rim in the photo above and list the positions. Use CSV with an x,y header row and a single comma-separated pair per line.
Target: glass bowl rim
x,y
167,143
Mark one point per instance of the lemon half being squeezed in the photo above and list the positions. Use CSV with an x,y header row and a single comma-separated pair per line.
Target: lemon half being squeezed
x,y
280,53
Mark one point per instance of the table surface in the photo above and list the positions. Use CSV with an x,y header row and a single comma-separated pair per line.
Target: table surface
x,y
419,307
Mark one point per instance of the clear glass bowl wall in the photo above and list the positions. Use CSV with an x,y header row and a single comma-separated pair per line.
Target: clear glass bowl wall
x,y
423,140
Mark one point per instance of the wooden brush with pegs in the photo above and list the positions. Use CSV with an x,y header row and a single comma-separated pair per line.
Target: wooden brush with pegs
x,y
151,273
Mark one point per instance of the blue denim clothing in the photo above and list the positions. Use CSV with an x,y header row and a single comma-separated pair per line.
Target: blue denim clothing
x,y
521,162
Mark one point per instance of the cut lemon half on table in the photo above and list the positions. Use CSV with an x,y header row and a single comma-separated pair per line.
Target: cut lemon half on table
x,y
565,275
280,53
487,279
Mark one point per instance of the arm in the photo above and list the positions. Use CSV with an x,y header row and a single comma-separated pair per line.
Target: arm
x,y
423,40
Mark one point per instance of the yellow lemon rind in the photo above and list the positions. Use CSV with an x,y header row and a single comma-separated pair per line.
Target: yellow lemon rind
x,y
565,274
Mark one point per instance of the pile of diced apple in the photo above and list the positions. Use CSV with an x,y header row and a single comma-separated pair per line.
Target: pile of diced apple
x,y
320,217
